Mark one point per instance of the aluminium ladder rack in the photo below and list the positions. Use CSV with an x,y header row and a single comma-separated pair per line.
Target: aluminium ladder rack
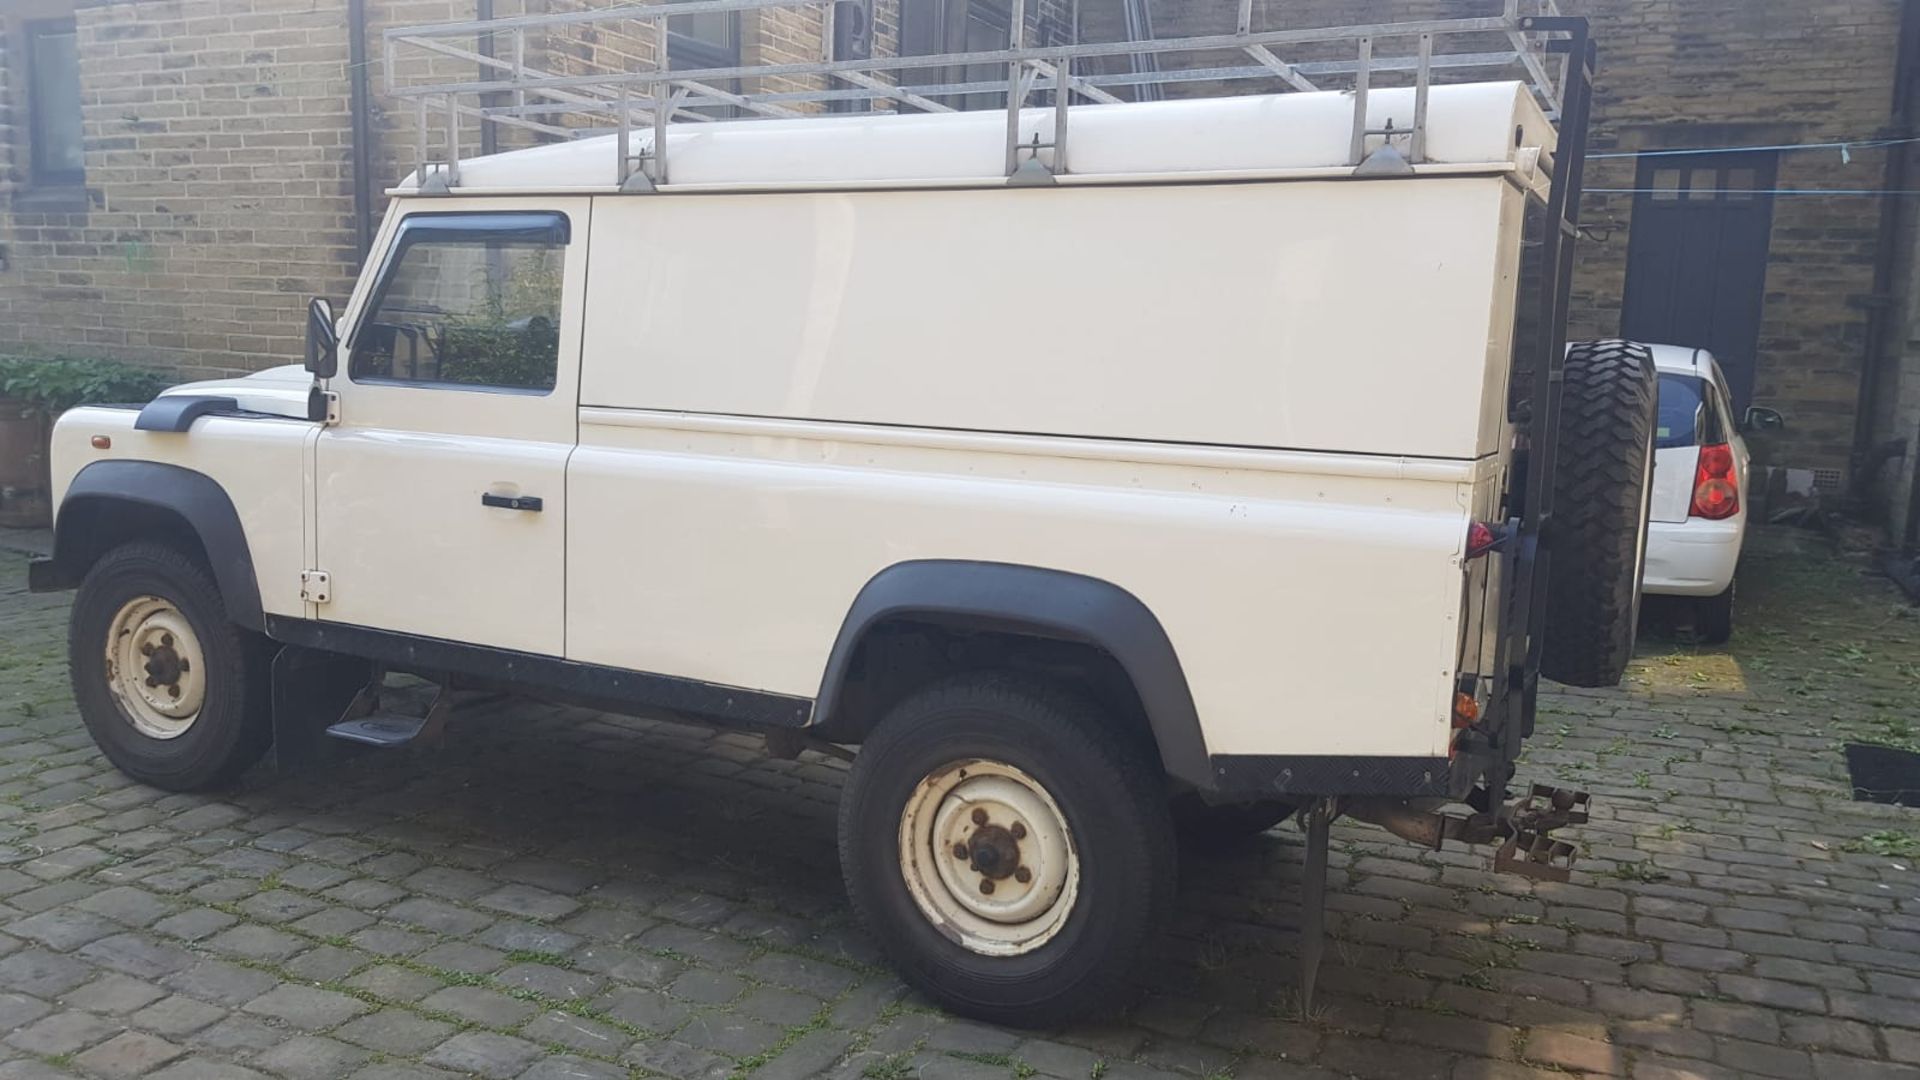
x,y
507,90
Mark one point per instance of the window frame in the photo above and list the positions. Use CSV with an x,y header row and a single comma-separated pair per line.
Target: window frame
x,y
40,174
553,227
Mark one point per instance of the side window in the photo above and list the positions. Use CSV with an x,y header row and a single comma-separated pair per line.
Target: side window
x,y
467,300
1683,412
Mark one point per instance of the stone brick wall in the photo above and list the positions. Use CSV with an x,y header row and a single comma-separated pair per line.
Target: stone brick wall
x,y
216,188
1685,74
219,188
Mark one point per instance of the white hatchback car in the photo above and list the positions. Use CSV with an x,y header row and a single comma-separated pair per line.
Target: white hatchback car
x,y
1699,501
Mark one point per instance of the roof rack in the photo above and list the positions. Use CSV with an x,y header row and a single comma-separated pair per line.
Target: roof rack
x,y
508,91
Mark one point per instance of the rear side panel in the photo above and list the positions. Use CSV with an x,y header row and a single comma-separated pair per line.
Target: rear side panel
x,y
1313,601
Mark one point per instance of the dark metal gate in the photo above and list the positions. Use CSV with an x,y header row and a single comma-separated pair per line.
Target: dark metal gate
x,y
1697,261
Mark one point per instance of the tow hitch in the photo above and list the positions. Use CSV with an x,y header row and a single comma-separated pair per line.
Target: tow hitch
x,y
1523,830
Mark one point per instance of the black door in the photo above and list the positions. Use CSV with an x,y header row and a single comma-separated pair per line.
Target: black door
x,y
1697,261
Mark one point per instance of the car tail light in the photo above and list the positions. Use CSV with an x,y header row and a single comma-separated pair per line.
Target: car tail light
x,y
1716,488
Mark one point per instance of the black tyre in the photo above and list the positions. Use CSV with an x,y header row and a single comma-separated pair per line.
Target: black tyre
x,y
1204,827
1602,483
983,771
175,695
1713,617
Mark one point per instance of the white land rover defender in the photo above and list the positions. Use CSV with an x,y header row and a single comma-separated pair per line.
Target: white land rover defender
x,y
1096,471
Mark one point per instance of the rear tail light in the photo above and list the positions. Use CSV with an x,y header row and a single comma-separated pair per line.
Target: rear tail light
x,y
1716,487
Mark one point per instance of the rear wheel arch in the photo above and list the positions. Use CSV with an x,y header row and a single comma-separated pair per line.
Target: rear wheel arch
x,y
111,503
945,616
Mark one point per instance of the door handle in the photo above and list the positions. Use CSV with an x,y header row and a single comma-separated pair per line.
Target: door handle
x,y
529,503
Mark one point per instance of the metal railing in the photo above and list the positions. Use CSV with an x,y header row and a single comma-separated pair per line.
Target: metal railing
x,y
508,90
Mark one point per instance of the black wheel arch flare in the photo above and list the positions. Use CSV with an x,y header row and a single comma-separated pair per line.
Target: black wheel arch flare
x,y
194,498
1044,603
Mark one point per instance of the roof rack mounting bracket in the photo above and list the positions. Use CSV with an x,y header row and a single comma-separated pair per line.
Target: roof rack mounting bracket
x,y
1031,173
434,181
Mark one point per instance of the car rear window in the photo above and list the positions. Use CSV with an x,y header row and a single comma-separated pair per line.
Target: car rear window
x,y
1682,413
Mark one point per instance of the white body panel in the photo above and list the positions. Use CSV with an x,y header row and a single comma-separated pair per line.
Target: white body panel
x,y
731,549
259,462
1686,555
1100,312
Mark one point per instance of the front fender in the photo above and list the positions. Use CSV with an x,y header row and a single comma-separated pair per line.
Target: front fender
x,y
107,498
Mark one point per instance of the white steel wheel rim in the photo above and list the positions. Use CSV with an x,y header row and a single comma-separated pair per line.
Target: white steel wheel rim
x,y
155,667
988,857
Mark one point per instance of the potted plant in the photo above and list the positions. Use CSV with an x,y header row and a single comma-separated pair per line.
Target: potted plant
x,y
35,390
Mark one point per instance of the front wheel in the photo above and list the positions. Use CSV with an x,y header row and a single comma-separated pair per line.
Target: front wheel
x,y
174,694
1011,850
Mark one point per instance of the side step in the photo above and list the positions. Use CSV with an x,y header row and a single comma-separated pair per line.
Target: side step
x,y
366,723
386,730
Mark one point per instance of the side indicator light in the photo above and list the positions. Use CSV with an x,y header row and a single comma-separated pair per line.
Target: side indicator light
x,y
102,442
1482,538
1466,711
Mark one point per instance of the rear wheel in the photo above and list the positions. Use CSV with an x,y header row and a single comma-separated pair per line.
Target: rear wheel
x,y
1602,485
174,694
1713,617
1009,847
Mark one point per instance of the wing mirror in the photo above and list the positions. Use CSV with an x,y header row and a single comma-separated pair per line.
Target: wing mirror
x,y
323,346
1762,419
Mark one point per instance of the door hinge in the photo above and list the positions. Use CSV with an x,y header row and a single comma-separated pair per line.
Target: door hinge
x,y
316,586
323,407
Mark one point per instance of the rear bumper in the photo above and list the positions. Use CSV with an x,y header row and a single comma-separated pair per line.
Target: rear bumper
x,y
1692,558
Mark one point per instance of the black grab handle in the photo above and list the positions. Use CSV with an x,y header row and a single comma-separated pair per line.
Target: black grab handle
x,y
530,503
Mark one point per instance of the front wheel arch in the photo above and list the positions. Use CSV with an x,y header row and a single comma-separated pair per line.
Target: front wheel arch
x,y
112,503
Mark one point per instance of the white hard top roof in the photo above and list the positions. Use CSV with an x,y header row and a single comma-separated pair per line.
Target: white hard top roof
x,y
1682,360
1471,127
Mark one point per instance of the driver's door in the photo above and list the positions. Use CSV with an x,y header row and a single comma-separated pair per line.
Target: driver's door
x,y
440,496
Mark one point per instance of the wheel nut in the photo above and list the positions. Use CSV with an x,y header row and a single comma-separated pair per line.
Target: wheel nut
x,y
979,816
960,851
986,886
1022,875
173,691
1019,831
153,682
184,666
146,648
167,640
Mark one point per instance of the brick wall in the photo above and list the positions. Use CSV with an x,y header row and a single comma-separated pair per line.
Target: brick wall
x,y
216,188
219,188
1699,74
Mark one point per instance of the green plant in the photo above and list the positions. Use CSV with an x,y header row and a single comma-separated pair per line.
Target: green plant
x,y
52,385
1892,842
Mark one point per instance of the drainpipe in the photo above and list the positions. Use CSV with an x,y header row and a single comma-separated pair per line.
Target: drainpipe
x,y
1867,461
489,133
360,104
1906,91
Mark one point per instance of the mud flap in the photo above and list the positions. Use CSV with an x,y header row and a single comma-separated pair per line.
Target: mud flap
x,y
311,689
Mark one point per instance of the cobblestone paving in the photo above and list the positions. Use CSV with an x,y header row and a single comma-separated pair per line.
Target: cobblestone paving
x,y
557,894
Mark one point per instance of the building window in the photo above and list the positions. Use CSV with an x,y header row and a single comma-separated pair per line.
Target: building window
x,y
932,27
710,40
53,104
